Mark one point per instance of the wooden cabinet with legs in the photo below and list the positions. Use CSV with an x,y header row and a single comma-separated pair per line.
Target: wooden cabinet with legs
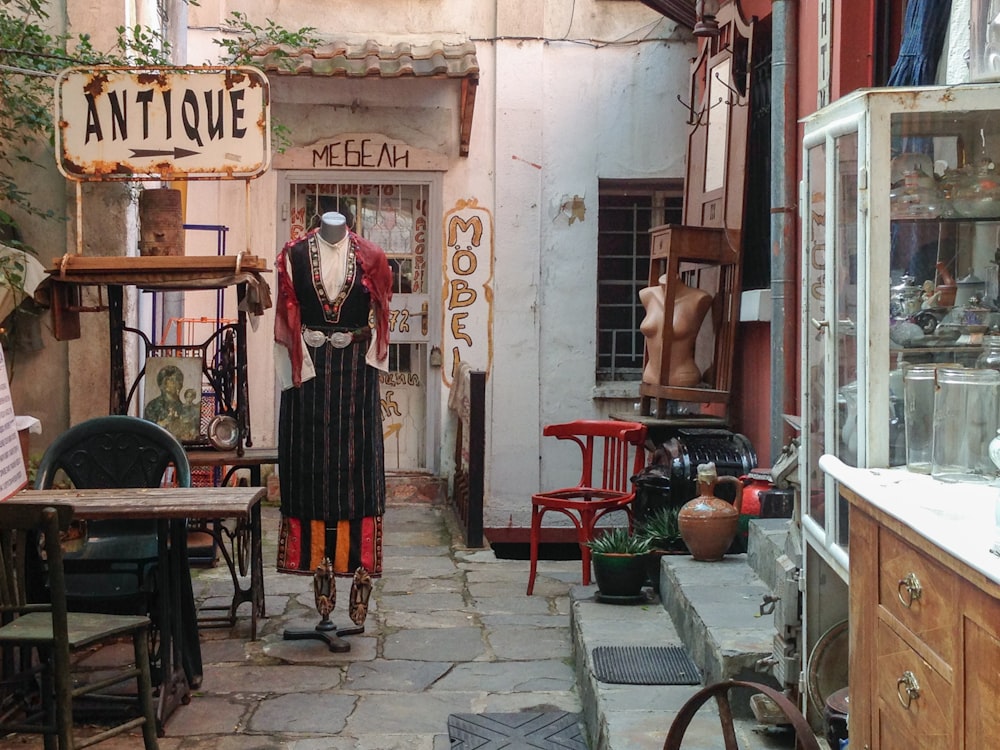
x,y
924,611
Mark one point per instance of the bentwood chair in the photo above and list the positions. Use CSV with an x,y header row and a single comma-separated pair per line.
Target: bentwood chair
x,y
112,567
44,704
611,453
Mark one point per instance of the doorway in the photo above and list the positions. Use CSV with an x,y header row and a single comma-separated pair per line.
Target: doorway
x,y
393,214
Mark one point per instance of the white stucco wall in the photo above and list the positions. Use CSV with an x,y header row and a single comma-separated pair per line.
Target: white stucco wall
x,y
569,93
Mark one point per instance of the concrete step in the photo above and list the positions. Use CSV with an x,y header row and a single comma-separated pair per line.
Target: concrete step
x,y
638,717
715,607
711,608
416,487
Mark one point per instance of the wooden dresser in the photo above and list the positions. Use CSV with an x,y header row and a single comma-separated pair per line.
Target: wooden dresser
x,y
924,611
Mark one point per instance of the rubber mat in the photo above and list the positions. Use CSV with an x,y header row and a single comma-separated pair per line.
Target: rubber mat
x,y
527,730
645,665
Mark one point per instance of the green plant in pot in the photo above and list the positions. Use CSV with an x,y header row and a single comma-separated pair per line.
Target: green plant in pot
x,y
662,531
664,535
619,559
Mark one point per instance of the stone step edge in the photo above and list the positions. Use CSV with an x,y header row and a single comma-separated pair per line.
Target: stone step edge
x,y
715,608
594,624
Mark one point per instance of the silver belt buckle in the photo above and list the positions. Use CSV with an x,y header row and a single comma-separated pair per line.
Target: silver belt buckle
x,y
341,339
313,338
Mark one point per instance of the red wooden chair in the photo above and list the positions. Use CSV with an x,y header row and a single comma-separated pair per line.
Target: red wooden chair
x,y
612,452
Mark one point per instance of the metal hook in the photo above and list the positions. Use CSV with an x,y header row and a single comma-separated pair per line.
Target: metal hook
x,y
694,118
732,91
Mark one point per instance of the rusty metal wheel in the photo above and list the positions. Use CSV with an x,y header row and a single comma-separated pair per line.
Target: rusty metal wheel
x,y
804,737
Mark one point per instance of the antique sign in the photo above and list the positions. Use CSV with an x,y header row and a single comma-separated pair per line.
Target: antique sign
x,y
162,123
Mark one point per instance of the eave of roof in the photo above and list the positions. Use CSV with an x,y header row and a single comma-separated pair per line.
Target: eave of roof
x,y
436,60
681,11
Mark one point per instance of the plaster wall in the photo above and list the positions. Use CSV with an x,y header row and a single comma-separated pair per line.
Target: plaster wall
x,y
568,94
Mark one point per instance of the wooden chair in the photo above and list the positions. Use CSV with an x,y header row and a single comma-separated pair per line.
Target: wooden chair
x,y
611,454
112,568
53,634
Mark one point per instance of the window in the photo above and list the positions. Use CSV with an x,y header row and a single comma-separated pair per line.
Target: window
x,y
626,212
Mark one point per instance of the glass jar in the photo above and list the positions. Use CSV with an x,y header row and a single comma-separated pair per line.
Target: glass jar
x,y
918,415
976,191
990,357
966,416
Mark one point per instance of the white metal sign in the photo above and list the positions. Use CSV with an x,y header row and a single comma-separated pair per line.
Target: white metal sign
x,y
162,123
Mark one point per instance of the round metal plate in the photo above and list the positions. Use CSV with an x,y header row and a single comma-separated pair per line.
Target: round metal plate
x,y
223,432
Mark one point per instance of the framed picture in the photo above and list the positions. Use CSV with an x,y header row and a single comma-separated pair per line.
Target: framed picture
x,y
172,395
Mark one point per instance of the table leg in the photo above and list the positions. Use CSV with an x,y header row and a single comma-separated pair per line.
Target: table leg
x,y
256,571
174,685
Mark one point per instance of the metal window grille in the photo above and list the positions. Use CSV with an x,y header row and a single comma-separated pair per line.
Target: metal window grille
x,y
626,213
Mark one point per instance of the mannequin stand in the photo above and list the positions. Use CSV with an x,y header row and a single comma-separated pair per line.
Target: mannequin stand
x,y
325,590
328,632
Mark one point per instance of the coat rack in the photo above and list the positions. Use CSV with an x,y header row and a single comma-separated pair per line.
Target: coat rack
x,y
705,252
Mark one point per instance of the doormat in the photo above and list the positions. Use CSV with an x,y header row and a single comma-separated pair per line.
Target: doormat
x,y
645,665
527,730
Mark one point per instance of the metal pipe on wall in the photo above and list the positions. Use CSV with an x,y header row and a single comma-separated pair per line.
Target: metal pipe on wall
x,y
784,248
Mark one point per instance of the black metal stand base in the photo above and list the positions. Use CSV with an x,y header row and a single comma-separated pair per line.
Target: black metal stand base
x,y
329,633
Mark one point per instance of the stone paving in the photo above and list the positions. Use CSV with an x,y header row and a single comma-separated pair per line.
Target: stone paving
x,y
450,630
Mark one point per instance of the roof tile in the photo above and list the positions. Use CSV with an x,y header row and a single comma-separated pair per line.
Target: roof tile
x,y
370,59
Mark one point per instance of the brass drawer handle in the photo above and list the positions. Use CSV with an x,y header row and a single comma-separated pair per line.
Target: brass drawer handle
x,y
910,585
911,689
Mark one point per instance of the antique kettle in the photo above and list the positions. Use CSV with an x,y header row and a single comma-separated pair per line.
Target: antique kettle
x,y
905,298
707,523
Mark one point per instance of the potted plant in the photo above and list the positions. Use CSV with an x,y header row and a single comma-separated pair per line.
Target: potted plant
x,y
619,559
663,532
664,535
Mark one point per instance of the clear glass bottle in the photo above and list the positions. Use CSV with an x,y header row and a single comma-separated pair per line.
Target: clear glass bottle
x,y
966,416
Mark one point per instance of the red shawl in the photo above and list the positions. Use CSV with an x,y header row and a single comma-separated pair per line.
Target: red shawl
x,y
376,277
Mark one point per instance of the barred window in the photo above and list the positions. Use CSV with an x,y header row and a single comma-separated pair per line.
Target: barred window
x,y
626,212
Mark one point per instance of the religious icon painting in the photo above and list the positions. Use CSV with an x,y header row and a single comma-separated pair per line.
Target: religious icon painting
x,y
172,388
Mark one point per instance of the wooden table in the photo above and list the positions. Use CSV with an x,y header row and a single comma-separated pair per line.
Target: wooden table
x,y
180,649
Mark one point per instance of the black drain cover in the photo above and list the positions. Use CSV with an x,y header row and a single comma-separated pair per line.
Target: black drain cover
x,y
645,665
527,730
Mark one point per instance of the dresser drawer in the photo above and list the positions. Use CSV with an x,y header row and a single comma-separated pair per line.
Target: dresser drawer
x,y
915,703
921,594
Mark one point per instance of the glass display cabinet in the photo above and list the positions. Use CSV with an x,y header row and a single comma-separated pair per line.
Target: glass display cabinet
x,y
900,218
901,227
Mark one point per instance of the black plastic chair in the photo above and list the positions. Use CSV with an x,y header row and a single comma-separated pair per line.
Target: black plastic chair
x,y
45,706
112,567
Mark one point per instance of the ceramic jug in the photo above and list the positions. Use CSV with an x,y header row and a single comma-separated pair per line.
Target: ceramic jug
x,y
708,523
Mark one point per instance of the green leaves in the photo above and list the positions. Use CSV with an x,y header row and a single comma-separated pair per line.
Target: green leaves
x,y
248,39
661,526
619,541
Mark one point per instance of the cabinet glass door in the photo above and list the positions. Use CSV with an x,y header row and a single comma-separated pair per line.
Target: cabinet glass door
x,y
832,289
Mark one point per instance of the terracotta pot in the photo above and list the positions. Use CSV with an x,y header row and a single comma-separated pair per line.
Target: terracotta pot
x,y
708,523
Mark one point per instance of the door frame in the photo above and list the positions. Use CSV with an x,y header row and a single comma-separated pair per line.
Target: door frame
x,y
433,180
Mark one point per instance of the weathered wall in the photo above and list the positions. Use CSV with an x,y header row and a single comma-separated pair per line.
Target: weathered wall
x,y
568,94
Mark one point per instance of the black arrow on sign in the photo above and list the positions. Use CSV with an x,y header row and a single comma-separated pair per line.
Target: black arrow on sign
x,y
177,153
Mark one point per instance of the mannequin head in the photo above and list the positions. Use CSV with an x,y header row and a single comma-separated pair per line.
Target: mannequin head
x,y
333,227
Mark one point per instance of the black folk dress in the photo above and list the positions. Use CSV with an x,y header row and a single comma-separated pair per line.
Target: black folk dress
x,y
330,450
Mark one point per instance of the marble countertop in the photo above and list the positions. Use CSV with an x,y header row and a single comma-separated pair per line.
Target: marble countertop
x,y
960,518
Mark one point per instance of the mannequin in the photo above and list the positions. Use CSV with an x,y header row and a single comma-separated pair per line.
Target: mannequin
x,y
333,227
332,340
691,305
